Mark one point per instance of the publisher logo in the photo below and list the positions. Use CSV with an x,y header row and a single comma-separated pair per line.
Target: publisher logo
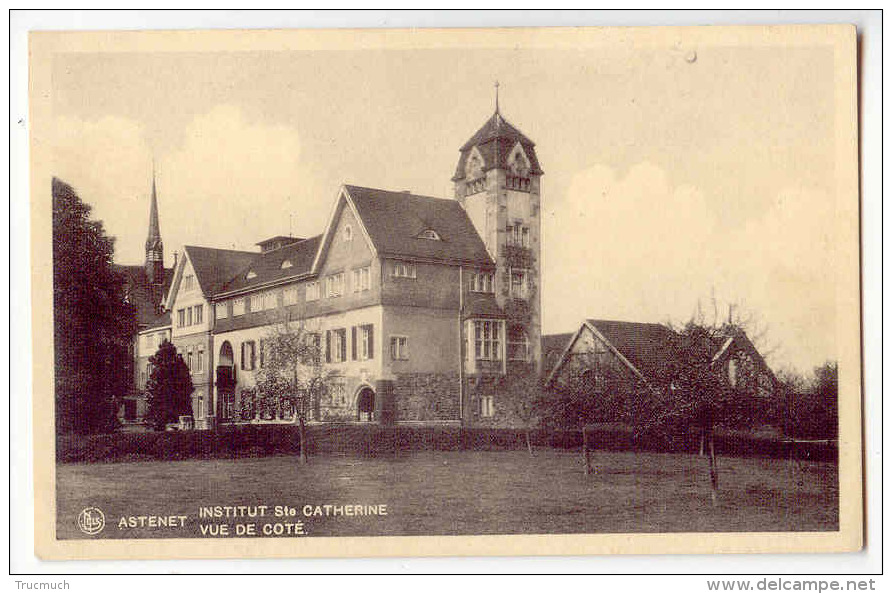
x,y
91,520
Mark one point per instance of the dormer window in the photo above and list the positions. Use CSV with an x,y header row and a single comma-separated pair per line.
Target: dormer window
x,y
251,274
429,234
348,233
474,165
286,264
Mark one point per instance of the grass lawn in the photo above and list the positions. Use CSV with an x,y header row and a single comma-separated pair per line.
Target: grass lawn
x,y
462,492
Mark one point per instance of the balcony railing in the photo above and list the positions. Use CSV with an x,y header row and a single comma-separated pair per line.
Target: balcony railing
x,y
518,256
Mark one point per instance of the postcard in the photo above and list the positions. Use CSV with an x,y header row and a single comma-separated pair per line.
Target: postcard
x,y
522,291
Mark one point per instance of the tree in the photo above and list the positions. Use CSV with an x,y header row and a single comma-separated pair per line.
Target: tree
x,y
524,401
93,324
690,390
809,408
591,391
169,387
292,374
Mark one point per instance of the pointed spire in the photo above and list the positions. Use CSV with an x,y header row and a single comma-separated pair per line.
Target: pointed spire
x,y
154,227
497,96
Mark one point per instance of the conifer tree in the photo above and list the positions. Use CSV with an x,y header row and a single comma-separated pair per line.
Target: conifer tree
x,y
169,387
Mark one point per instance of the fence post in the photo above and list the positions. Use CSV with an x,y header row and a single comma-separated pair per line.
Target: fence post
x,y
586,460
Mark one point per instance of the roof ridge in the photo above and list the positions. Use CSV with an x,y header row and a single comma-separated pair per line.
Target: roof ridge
x,y
204,247
596,320
401,193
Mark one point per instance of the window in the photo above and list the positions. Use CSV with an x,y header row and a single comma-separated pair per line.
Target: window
x,y
228,405
270,300
289,295
518,344
314,339
189,360
188,316
336,345
248,355
399,348
199,314
518,235
338,391
256,302
286,264
486,340
363,341
262,352
334,285
403,270
518,283
181,317
199,368
238,306
487,406
348,233
188,282
313,291
361,279
222,310
482,282
429,234
200,413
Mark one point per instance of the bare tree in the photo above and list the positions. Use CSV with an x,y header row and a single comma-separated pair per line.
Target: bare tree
x,y
292,374
689,390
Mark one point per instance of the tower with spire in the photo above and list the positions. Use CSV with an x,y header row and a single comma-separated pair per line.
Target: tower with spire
x,y
154,264
498,182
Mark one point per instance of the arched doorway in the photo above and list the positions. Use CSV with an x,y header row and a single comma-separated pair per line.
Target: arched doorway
x,y
226,381
365,405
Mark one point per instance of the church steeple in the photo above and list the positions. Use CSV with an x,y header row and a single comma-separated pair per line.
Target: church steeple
x,y
154,264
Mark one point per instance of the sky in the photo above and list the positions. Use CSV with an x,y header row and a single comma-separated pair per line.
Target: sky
x,y
676,177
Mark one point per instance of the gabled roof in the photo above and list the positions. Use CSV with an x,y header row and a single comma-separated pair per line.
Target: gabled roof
x,y
267,267
494,140
481,305
160,321
556,342
646,346
394,221
140,295
215,267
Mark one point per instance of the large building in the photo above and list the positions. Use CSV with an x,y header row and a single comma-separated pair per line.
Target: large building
x,y
145,288
421,306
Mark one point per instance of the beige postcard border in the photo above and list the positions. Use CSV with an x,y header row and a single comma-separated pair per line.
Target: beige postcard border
x,y
847,281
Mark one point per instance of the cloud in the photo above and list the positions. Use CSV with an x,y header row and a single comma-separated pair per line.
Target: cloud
x,y
233,182
635,247
108,162
228,183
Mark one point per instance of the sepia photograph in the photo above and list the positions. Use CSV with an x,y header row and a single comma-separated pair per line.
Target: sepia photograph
x,y
551,291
